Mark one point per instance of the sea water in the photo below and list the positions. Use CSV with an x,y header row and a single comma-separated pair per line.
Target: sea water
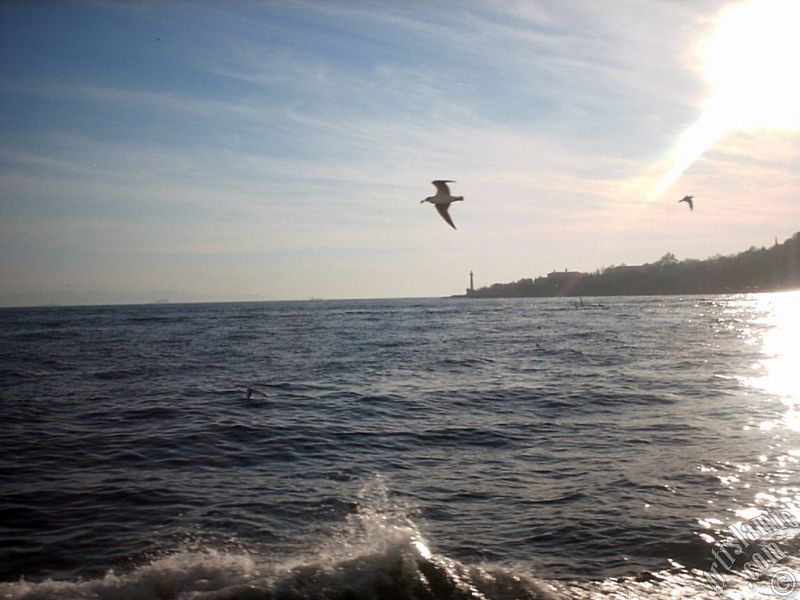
x,y
436,448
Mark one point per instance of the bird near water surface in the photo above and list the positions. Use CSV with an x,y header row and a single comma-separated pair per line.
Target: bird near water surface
x,y
253,391
688,200
442,199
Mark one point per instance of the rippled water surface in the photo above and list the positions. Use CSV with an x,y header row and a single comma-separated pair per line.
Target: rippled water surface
x,y
406,448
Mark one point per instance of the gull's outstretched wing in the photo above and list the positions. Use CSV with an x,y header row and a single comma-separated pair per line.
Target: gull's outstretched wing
x,y
442,208
441,186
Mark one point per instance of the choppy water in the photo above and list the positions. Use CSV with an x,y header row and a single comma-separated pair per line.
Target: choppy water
x,y
519,448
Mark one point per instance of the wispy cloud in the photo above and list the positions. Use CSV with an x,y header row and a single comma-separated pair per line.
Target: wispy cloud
x,y
291,137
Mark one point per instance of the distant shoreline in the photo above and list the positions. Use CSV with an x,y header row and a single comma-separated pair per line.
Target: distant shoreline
x,y
757,270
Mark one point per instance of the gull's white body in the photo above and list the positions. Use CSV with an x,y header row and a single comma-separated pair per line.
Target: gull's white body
x,y
442,199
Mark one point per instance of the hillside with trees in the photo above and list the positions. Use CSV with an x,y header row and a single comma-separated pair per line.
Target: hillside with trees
x,y
755,270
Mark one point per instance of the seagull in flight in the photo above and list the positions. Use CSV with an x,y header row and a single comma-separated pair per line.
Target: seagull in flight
x,y
688,200
442,199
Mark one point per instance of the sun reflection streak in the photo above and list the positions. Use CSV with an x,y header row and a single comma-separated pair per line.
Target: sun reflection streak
x,y
780,346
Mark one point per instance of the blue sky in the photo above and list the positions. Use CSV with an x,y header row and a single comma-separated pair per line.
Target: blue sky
x,y
279,150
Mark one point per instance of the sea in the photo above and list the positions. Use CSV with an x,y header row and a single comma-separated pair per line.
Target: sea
x,y
446,448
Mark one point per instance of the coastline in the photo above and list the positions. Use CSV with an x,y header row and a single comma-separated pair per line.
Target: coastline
x,y
757,270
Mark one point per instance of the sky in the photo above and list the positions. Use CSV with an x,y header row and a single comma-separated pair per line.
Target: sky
x,y
280,150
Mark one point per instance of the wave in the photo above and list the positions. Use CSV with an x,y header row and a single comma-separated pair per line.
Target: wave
x,y
404,570
378,552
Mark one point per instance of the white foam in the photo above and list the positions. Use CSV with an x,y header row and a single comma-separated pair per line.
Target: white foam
x,y
378,551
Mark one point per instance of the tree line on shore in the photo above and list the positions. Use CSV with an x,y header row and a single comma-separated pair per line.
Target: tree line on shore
x,y
755,270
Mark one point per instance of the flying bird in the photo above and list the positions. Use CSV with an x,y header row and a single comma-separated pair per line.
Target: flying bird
x,y
442,199
688,200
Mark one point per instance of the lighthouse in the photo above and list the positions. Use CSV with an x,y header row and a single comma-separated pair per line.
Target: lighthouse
x,y
471,284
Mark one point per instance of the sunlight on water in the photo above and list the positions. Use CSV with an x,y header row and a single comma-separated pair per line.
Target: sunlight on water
x,y
531,467
779,369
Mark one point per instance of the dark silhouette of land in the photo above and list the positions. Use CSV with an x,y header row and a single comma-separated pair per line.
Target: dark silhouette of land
x,y
755,270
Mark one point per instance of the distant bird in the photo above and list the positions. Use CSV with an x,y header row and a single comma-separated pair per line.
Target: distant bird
x,y
688,200
256,391
442,199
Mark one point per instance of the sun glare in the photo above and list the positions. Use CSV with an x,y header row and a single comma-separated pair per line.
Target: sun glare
x,y
781,348
751,61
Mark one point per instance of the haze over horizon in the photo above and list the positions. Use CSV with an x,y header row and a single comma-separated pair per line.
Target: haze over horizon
x,y
266,151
